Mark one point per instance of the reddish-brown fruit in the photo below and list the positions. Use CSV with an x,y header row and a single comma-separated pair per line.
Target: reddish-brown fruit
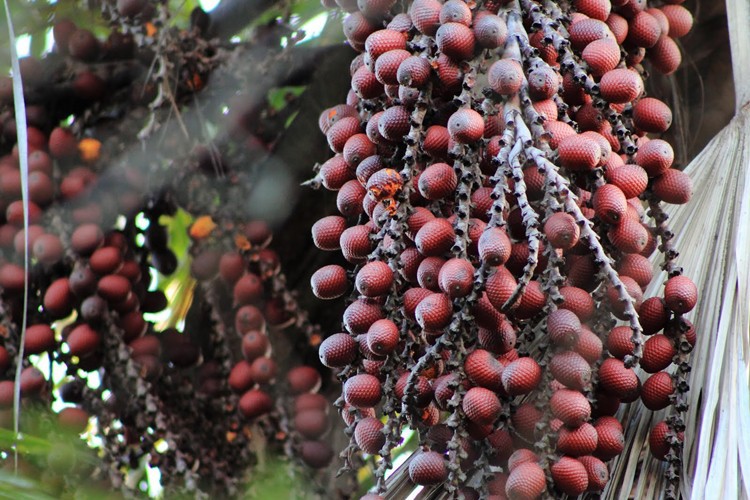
x,y
490,31
656,156
643,30
394,123
310,401
657,390
500,286
610,439
427,468
586,31
680,20
425,14
255,403
521,376
311,424
374,279
620,343
48,249
355,243
382,337
254,345
338,350
329,282
484,370
601,55
543,84
563,327
577,300
526,482
369,436
562,231
434,312
577,442
316,454
621,85
466,126
73,419
571,369
413,72
455,11
494,246
658,352
456,277
362,391
83,341
673,186
532,301
610,204
331,115
346,127
505,77
597,472
130,8
481,405
428,273
632,289
327,231
263,369
569,476
595,9
240,377
303,379
652,115
680,294
653,315
360,315
579,153
83,45
58,299
629,236
248,289
357,148
437,181
617,380
435,237
571,407
39,338
665,56
658,440
636,267
455,40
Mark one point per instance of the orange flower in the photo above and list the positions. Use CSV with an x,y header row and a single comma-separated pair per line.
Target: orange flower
x,y
202,227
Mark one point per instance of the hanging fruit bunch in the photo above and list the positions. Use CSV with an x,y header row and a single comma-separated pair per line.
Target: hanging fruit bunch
x,y
229,372
500,182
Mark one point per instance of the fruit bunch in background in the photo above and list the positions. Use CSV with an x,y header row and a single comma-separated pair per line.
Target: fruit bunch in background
x,y
500,181
188,356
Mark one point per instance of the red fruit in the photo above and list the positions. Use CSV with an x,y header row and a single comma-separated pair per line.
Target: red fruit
x,y
456,41
58,299
571,369
343,129
329,282
254,345
355,243
456,277
387,65
543,84
617,380
86,238
362,391
83,45
596,9
656,156
610,204
335,172
484,370
481,405
562,231
414,72
327,231
374,279
601,55
653,315
680,294
240,377
435,237
500,286
83,341
437,181
248,318
658,440
586,31
652,115
350,197
636,267
428,467
621,85
569,476
494,246
658,352
521,376
631,179
619,343
563,327
505,77
316,454
597,472
394,123
571,407
680,20
643,30
577,300
255,403
263,370
425,14
532,301
338,350
673,186
428,273
434,312
610,439
369,436
357,148
527,481
455,11
73,419
657,390
311,424
383,41
360,315
331,115
577,442
382,337
490,31
39,338
303,379
629,236
466,126
579,153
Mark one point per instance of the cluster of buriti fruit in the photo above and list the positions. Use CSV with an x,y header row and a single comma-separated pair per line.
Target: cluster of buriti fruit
x,y
499,199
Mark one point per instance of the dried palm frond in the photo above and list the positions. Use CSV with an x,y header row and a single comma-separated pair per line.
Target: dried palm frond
x,y
713,236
